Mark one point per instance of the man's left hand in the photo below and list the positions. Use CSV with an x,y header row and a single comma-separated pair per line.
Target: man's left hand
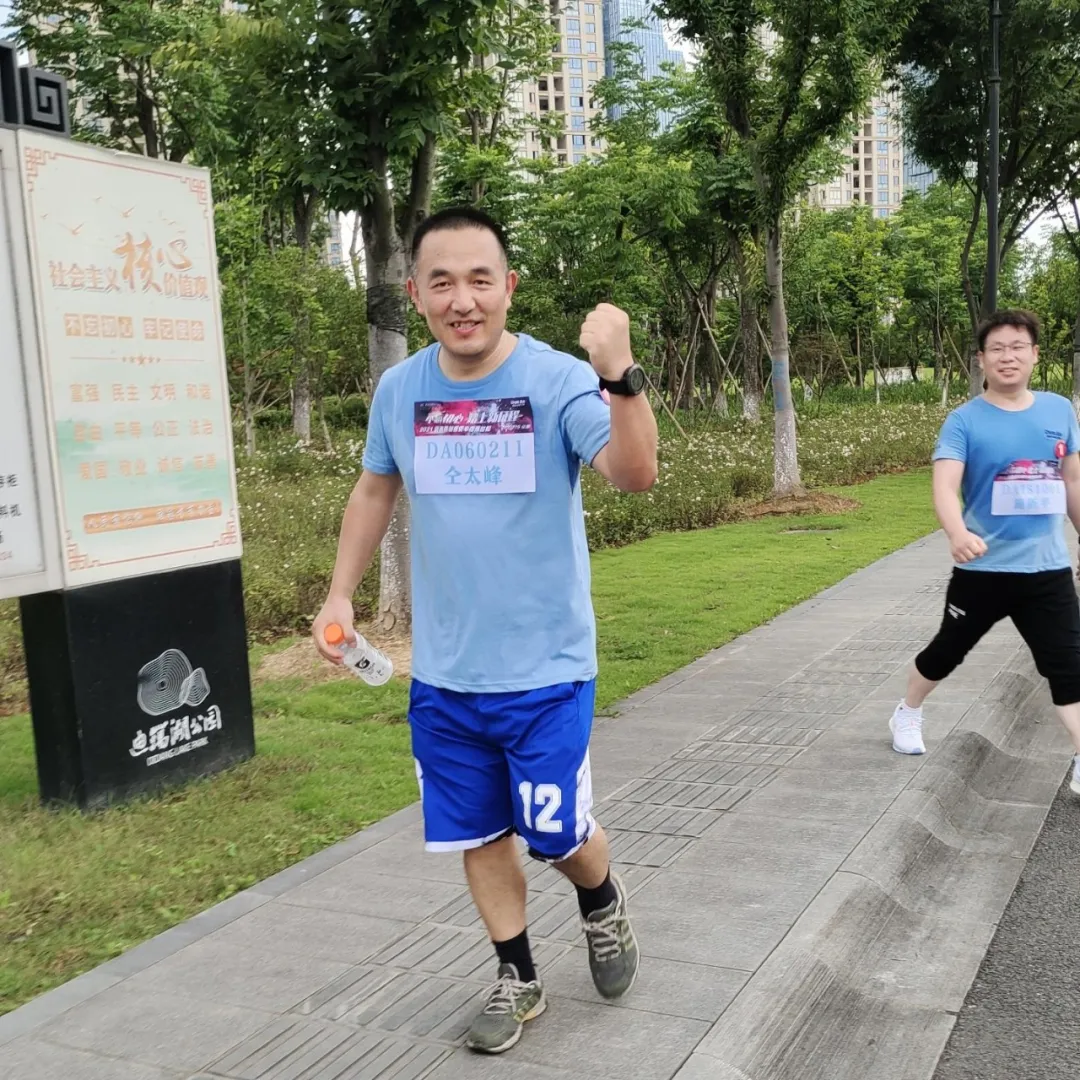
x,y
605,336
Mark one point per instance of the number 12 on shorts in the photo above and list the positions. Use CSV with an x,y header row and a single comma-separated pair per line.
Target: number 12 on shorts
x,y
547,796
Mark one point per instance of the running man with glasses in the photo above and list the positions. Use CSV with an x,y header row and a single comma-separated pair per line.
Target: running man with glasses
x,y
1006,472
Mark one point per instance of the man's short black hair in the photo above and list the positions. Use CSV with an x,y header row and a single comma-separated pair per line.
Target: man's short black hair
x,y
1017,317
457,217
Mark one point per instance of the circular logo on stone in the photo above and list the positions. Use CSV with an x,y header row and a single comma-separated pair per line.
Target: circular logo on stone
x,y
1060,450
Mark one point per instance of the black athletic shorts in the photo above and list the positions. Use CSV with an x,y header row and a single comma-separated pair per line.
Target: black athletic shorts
x,y
1042,606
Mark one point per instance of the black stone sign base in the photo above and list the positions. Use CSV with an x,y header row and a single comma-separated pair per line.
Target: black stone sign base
x,y
138,684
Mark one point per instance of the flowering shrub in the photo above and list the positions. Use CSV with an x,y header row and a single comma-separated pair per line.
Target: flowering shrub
x,y
704,476
292,498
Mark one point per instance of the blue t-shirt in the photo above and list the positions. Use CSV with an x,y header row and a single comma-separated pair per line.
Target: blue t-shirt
x,y
500,562
1014,496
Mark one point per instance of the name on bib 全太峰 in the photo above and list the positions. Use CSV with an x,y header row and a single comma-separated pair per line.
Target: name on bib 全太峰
x,y
484,447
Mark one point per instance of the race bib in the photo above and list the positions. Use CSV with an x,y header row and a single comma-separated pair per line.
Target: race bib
x,y
1029,487
474,447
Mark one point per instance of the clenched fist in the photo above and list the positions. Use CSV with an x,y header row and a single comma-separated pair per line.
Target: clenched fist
x,y
605,336
966,547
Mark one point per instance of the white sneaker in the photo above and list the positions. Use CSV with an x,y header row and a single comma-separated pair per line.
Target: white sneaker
x,y
1074,782
906,728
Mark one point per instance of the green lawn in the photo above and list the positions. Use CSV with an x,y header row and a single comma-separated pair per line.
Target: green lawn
x,y
76,890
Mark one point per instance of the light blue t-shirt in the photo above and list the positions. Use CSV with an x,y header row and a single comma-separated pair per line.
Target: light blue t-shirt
x,y
500,562
1014,496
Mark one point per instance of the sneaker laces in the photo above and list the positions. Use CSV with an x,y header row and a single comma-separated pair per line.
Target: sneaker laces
x,y
502,995
603,935
908,721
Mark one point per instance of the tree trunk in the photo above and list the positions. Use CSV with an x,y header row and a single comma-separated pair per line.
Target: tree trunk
x,y
479,186
975,309
858,358
249,376
304,203
144,109
877,371
387,272
753,390
786,478
939,353
354,254
712,346
328,443
301,401
249,430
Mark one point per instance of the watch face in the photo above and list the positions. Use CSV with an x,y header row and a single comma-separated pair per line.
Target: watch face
x,y
635,379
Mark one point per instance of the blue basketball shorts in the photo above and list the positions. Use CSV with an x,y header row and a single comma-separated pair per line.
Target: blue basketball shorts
x,y
489,765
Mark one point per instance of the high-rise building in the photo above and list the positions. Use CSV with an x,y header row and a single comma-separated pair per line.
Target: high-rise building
x,y
564,97
334,251
918,176
874,171
653,50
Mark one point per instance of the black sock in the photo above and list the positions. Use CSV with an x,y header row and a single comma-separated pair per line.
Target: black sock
x,y
516,951
592,900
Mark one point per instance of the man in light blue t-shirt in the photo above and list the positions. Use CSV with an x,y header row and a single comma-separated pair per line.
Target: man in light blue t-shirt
x,y
1012,456
487,433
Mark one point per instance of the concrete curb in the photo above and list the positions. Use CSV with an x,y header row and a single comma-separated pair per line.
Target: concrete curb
x,y
869,980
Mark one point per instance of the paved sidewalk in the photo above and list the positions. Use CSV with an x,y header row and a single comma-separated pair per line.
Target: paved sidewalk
x,y
810,905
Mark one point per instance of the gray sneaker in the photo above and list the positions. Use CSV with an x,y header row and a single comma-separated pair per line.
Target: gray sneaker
x,y
510,1003
613,949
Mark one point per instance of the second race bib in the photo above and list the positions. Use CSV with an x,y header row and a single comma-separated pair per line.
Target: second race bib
x,y
1029,487
474,447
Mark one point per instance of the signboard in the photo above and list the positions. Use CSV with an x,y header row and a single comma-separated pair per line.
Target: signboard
x,y
124,271
27,557
118,509
21,549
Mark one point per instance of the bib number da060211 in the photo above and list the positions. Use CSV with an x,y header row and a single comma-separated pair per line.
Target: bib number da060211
x,y
483,447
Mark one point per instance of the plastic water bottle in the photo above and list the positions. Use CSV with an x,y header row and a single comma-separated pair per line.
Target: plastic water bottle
x,y
372,665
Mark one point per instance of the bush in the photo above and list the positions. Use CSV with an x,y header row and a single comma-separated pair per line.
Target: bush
x,y
12,668
704,476
292,498
921,392
348,412
341,414
278,418
747,483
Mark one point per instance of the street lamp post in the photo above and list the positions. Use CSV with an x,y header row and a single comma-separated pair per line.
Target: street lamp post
x,y
992,244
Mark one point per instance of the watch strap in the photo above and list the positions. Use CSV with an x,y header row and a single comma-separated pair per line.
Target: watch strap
x,y
621,386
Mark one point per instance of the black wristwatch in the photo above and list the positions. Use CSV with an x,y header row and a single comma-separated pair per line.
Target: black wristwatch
x,y
631,383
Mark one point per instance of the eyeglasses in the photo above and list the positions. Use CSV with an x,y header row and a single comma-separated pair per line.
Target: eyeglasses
x,y
1017,347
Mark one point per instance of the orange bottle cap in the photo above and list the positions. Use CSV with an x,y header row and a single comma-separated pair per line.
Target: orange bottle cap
x,y
334,634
